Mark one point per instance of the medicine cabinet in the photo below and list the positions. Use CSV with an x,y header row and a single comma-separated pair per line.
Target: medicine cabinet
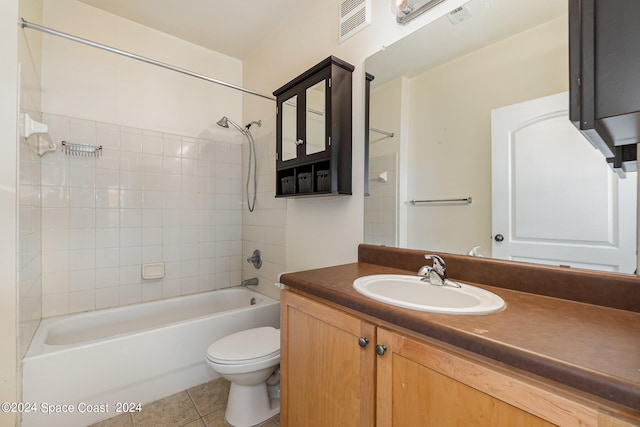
x,y
313,131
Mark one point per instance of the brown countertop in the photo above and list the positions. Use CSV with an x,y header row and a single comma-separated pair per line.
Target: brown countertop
x,y
595,349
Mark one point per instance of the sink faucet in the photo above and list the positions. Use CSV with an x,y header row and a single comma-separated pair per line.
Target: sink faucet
x,y
474,251
436,274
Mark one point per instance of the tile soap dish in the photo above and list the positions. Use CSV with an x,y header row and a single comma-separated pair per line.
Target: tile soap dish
x,y
154,270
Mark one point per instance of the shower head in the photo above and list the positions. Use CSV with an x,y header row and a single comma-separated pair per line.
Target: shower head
x,y
224,122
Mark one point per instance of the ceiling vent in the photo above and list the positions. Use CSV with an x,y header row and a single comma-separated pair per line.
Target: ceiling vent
x,y
458,15
354,16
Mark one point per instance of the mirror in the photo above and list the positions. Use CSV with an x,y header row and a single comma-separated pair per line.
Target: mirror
x,y
435,103
315,118
289,128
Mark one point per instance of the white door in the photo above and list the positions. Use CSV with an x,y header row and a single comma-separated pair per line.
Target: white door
x,y
554,198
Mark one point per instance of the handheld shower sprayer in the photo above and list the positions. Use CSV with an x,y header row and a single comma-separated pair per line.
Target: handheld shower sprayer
x,y
224,122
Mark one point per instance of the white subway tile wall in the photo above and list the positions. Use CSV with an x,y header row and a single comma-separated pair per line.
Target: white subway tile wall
x,y
150,197
381,213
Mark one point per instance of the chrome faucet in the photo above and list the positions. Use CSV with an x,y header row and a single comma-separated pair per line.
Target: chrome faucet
x,y
474,251
250,282
435,274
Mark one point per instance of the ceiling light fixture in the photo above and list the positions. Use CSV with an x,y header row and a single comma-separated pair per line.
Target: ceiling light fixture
x,y
404,7
407,10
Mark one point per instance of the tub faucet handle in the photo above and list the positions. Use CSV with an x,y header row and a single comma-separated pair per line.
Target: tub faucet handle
x,y
255,259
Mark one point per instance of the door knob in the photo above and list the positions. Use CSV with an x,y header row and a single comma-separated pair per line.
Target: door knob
x,y
381,349
499,238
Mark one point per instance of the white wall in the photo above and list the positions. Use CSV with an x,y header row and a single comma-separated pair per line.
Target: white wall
x,y
81,82
324,231
8,204
450,131
168,186
88,83
29,212
381,206
85,83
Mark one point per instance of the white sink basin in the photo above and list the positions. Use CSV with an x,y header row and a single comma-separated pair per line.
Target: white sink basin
x,y
411,292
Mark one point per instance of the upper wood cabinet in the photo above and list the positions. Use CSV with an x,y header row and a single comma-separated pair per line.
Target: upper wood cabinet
x,y
604,67
313,131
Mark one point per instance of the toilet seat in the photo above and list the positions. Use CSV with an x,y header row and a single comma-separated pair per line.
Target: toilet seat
x,y
246,347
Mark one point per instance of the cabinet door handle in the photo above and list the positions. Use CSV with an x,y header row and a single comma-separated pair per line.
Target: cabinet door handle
x,y
381,349
299,142
362,341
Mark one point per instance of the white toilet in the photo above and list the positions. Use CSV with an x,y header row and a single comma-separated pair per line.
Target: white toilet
x,y
247,359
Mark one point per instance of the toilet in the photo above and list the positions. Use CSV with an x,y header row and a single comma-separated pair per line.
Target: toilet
x,y
248,359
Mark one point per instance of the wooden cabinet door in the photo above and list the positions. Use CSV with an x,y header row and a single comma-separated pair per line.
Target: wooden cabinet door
x,y
303,122
424,386
327,378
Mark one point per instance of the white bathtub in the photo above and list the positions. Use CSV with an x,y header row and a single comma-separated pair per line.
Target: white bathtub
x,y
98,362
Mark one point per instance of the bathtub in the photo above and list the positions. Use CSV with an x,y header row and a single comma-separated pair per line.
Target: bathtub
x,y
87,367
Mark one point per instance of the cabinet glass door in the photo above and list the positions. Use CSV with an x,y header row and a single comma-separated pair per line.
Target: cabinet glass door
x,y
316,118
289,129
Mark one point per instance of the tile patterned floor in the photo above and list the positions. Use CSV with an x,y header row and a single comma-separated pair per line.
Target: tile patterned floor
x,y
200,406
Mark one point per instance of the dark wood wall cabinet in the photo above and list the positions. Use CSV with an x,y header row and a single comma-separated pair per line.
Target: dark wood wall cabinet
x,y
604,66
313,131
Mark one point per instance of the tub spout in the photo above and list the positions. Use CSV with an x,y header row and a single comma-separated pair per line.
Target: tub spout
x,y
250,282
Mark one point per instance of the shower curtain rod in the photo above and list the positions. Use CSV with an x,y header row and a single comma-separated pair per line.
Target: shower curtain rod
x,y
26,24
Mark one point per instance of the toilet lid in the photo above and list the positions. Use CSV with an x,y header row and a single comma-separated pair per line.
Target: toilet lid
x,y
250,345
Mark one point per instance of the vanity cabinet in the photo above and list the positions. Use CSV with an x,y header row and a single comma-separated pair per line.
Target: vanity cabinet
x,y
313,131
341,369
604,66
326,376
